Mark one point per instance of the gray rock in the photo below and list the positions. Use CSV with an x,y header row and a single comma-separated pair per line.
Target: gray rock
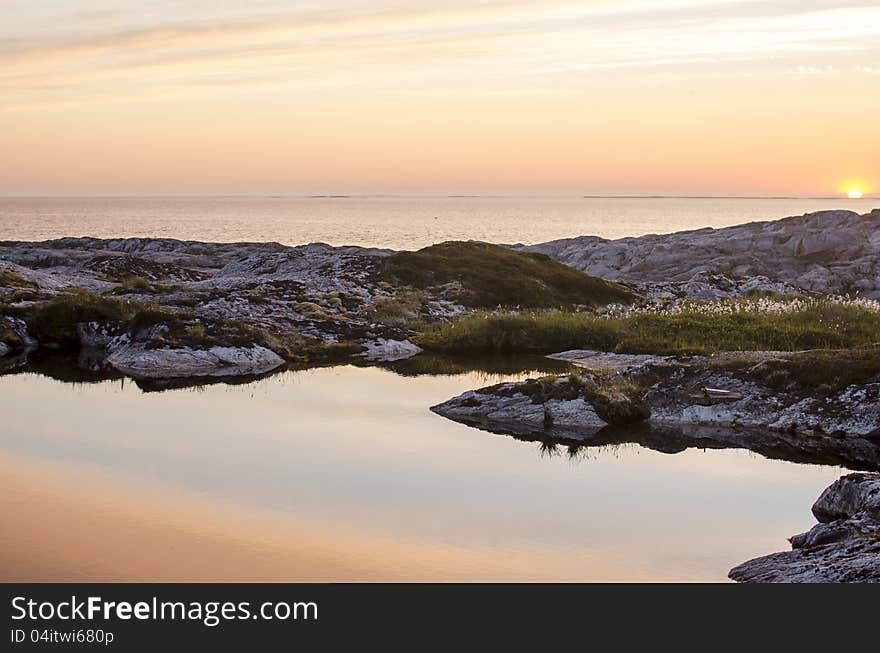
x,y
387,350
828,252
607,361
14,334
139,362
316,290
522,407
853,411
843,548
794,423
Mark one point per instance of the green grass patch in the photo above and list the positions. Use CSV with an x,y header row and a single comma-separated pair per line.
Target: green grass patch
x,y
56,320
11,279
831,370
481,275
142,286
821,325
402,309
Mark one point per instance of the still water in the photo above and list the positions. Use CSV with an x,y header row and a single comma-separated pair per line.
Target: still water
x,y
343,474
395,222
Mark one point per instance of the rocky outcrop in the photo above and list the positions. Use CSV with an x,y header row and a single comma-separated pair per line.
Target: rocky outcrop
x,y
741,400
564,404
681,399
167,362
524,408
844,547
316,290
828,252
740,389
325,296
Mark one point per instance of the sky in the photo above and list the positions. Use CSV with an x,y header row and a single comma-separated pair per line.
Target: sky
x,y
677,97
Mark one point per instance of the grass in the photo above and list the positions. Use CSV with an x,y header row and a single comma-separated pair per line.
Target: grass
x,y
402,309
11,279
56,320
820,324
831,370
142,286
480,275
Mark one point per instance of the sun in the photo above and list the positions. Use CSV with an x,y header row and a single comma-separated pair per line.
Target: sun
x,y
854,188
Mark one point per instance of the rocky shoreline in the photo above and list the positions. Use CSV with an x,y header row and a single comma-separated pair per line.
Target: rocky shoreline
x,y
844,547
722,401
172,313
827,253
343,301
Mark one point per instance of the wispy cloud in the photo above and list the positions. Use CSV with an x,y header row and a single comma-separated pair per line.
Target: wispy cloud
x,y
97,46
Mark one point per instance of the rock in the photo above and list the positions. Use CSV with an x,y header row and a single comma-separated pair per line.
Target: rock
x,y
100,335
14,334
828,252
606,361
138,361
317,290
849,496
524,407
720,401
843,548
616,408
757,401
386,350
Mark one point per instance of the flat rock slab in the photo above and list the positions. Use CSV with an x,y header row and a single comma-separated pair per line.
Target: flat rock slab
x,y
603,360
185,362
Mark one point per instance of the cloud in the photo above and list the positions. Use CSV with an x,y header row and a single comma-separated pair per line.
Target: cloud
x,y
101,51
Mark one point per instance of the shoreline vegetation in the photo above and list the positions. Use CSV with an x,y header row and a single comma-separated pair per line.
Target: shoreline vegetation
x,y
767,324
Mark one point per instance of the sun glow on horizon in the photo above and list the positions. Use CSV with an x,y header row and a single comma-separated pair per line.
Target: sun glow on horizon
x,y
854,189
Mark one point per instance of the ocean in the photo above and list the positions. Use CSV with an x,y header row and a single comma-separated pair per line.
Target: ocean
x,y
392,222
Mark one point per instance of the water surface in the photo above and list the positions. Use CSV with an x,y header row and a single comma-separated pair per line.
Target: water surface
x,y
342,473
395,222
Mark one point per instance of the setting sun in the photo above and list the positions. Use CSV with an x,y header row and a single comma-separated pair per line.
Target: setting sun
x,y
854,189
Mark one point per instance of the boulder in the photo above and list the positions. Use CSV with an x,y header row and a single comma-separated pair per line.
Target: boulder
x,y
843,548
388,350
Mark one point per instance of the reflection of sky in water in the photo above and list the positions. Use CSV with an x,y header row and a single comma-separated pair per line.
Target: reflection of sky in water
x,y
356,451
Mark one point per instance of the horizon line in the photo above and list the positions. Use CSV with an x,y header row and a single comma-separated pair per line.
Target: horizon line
x,y
318,196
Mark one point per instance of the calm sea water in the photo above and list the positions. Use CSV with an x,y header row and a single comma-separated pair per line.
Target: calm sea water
x,y
396,222
343,474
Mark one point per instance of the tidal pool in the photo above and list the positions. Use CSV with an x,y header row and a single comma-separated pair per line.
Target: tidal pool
x,y
343,474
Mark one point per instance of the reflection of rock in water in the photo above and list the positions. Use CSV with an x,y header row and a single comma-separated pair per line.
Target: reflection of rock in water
x,y
89,366
490,366
723,401
852,453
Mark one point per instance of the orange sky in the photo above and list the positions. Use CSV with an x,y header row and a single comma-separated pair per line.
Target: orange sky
x,y
629,97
